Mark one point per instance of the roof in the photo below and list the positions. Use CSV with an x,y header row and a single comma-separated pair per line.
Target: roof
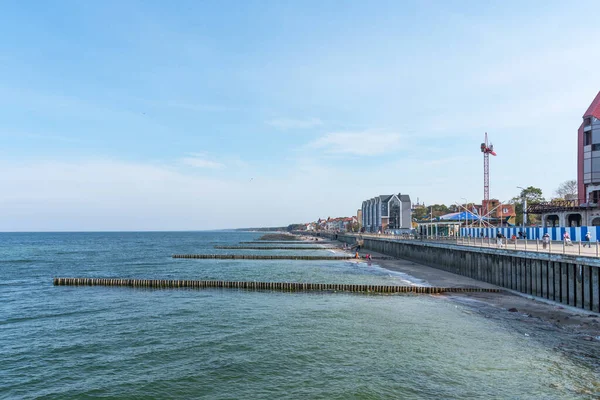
x,y
594,109
385,197
462,216
404,197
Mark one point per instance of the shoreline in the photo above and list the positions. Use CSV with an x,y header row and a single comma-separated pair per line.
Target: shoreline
x,y
572,331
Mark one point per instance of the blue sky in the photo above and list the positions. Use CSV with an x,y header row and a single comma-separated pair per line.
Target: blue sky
x,y
152,115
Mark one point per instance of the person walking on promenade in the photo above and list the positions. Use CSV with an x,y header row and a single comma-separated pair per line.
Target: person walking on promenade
x,y
588,241
567,239
545,240
499,239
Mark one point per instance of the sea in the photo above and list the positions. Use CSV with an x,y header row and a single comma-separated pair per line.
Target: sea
x,y
59,342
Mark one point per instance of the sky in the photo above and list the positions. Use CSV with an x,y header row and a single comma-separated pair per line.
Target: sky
x,y
187,115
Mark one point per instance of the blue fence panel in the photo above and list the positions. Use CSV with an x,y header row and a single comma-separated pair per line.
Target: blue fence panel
x,y
556,233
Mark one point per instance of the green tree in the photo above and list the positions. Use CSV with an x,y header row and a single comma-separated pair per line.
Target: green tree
x,y
437,210
296,227
420,213
534,196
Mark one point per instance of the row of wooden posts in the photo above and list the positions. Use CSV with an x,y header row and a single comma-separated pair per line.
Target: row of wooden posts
x,y
267,257
275,286
287,242
272,248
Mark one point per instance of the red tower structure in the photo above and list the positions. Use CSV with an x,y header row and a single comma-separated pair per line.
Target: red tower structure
x,y
486,149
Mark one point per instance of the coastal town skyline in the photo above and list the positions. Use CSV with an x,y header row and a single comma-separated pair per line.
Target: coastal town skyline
x,y
206,116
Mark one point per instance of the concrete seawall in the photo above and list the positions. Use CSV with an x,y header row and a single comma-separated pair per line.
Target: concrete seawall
x,y
567,279
251,285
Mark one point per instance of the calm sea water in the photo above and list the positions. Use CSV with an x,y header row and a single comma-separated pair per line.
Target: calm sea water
x,y
69,342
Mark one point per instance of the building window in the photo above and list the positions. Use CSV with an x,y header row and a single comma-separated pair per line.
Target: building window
x,y
587,138
587,122
596,147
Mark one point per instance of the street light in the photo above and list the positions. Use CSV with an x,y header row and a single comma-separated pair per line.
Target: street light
x,y
467,213
524,198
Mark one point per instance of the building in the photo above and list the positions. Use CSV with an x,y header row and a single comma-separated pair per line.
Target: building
x,y
340,224
588,155
585,211
387,213
359,218
502,213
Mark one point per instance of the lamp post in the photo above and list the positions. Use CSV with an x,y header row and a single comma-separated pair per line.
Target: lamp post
x,y
524,199
431,219
466,207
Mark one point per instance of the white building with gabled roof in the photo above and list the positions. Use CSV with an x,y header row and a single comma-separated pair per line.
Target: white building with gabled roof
x,y
387,213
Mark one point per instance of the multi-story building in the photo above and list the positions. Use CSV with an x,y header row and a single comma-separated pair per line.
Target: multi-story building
x,y
588,155
585,211
387,213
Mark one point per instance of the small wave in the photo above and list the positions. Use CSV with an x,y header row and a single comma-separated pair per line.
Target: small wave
x,y
50,316
18,261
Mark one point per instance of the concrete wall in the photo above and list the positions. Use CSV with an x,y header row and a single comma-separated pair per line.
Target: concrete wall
x,y
570,280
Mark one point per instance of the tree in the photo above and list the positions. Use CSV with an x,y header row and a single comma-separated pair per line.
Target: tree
x,y
296,227
567,190
534,196
420,213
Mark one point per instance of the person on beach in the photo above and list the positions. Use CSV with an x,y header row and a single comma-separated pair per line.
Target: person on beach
x,y
356,255
588,237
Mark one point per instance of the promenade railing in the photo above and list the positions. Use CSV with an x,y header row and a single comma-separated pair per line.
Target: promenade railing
x,y
584,248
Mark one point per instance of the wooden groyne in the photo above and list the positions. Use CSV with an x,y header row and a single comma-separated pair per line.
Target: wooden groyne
x,y
312,242
275,286
271,248
267,257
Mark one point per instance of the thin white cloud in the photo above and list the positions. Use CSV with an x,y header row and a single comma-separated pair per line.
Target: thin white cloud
x,y
358,143
286,123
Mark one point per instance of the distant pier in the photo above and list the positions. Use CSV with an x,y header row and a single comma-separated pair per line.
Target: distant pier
x,y
273,286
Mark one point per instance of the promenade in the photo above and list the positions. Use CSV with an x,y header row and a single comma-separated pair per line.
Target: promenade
x,y
554,247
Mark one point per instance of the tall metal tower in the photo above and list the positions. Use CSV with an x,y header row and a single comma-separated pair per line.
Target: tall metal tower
x,y
486,149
